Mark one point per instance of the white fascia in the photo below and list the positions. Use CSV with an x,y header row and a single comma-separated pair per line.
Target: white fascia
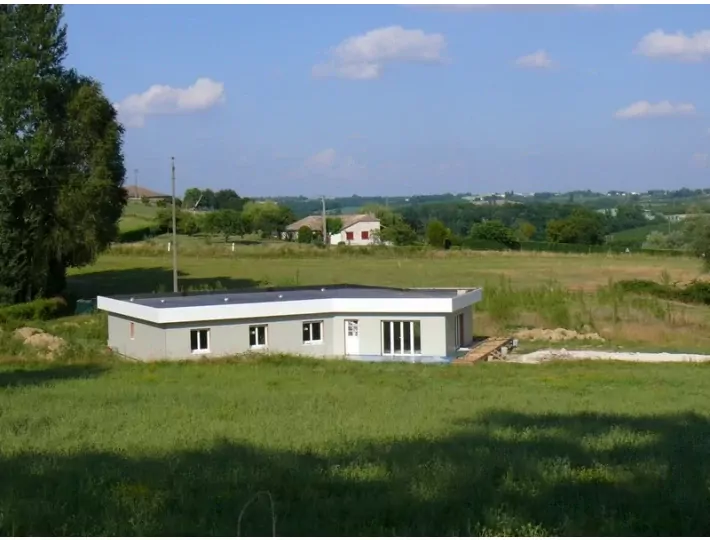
x,y
286,308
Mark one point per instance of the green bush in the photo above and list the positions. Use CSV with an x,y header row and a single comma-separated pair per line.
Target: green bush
x,y
37,310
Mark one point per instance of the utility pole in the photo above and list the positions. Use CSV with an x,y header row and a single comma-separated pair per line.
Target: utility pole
x,y
174,250
325,229
135,180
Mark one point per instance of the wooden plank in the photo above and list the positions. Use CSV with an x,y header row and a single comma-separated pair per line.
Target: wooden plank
x,y
485,349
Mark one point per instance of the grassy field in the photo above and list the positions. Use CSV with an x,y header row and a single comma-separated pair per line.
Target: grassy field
x,y
137,215
90,445
527,290
349,449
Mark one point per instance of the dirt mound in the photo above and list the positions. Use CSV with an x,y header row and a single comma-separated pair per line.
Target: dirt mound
x,y
39,339
556,335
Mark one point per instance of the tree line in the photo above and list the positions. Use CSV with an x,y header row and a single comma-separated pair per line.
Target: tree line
x,y
266,218
454,223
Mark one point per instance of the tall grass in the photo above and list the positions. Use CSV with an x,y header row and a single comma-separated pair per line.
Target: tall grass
x,y
623,317
345,449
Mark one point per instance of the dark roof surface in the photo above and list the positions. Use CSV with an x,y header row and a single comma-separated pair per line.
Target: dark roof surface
x,y
284,295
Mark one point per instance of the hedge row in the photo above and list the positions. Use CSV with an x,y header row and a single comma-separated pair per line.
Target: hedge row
x,y
37,310
487,245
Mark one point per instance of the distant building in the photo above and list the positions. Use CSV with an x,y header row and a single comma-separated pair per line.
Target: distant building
x,y
357,229
137,192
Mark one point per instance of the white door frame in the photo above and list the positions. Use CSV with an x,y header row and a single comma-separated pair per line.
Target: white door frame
x,y
351,328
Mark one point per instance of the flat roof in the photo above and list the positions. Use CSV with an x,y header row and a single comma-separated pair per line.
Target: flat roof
x,y
288,301
281,295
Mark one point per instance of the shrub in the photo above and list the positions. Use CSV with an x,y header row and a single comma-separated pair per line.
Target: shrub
x,y
37,310
305,235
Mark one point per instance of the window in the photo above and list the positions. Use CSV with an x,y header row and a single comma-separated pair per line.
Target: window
x,y
200,340
132,330
349,235
313,332
365,235
257,336
401,337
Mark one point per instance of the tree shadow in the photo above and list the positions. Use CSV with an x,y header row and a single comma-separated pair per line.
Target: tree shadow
x,y
502,473
147,280
35,377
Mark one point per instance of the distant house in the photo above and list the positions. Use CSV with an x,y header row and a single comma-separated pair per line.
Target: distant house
x,y
136,192
357,229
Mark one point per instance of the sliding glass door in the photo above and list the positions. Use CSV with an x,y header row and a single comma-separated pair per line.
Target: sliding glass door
x,y
401,337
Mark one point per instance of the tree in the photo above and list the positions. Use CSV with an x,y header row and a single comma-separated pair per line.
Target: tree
x,y
583,226
267,217
208,200
191,198
333,225
228,223
526,231
494,231
61,166
398,233
696,231
437,233
305,235
227,199
672,240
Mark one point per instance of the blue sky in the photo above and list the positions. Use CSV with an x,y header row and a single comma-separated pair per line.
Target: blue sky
x,y
338,100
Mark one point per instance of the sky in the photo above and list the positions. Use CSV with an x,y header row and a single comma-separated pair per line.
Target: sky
x,y
402,100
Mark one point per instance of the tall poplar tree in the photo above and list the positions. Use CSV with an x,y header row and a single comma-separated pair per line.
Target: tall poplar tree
x,y
61,166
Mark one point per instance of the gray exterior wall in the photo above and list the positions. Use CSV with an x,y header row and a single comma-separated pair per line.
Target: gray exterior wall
x,y
148,342
284,335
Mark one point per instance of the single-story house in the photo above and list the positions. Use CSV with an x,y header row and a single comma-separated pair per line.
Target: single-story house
x,y
329,321
136,192
356,230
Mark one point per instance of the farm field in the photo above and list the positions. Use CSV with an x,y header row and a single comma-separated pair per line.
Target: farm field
x,y
145,267
525,290
137,215
90,445
350,449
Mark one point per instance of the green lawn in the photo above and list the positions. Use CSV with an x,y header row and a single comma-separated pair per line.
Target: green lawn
x,y
351,449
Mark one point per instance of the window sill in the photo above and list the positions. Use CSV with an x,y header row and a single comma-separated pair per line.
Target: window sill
x,y
201,351
313,342
257,347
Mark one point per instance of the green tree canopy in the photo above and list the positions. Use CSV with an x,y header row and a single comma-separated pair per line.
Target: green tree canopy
x,y
494,231
583,226
61,165
437,233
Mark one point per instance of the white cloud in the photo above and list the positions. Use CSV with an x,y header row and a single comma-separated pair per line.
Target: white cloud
x,y
678,46
644,109
537,60
364,57
161,100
